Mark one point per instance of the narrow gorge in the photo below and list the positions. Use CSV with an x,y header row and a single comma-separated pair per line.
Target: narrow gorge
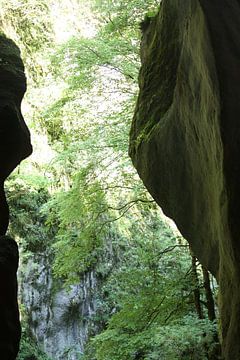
x,y
104,273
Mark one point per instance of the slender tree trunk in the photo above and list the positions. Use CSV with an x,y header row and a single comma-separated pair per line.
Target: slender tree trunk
x,y
196,290
209,296
214,353
216,349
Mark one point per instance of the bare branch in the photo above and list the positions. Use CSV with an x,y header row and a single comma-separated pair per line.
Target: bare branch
x,y
108,64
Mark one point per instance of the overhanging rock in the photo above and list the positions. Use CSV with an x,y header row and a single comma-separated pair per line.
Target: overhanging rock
x,y
185,136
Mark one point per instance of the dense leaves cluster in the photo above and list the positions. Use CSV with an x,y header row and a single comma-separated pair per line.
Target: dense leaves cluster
x,y
26,196
31,28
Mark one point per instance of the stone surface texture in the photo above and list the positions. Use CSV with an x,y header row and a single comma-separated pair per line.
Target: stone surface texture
x,y
185,136
14,146
60,319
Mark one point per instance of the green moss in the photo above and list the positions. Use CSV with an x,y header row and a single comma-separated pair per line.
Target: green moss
x,y
176,125
157,80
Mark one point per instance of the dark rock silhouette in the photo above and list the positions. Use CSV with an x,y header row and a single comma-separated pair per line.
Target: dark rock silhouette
x,y
185,136
14,146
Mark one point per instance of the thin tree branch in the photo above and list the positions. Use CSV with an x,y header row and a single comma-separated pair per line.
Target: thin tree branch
x,y
109,65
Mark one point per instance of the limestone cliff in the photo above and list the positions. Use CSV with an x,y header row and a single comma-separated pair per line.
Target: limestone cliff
x,y
60,319
14,147
185,136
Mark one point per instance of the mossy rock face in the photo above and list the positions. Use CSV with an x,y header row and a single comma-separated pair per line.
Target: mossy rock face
x,y
175,138
185,136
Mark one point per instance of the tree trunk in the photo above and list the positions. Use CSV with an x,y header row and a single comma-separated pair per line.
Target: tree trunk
x,y
196,290
209,296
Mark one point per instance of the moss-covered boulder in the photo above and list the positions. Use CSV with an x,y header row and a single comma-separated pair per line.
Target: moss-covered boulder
x,y
185,136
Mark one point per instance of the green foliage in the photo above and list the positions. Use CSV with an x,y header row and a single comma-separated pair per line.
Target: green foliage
x,y
31,21
31,28
80,60
149,295
107,70
78,238
187,339
26,195
29,349
124,17
106,67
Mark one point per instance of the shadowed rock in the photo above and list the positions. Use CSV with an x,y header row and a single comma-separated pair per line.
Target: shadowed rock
x,y
185,136
14,146
10,330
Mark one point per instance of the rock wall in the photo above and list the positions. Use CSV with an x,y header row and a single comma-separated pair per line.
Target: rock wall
x,y
185,136
14,146
60,319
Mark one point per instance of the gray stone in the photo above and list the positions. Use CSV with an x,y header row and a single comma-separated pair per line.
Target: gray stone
x,y
59,318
